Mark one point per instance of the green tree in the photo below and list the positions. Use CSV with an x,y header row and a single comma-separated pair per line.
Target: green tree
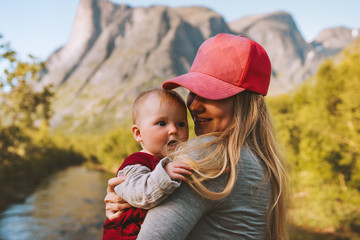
x,y
319,128
21,105
115,146
27,151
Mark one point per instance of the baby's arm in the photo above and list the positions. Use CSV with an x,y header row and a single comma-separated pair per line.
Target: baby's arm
x,y
145,189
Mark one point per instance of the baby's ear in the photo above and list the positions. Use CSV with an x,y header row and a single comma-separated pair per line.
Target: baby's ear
x,y
136,133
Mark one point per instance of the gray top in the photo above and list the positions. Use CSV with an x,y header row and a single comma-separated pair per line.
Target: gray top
x,y
241,215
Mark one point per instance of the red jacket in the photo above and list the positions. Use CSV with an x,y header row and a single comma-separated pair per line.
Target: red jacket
x,y
127,226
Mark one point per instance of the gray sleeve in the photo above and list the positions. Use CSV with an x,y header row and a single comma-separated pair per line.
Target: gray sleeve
x,y
143,188
175,217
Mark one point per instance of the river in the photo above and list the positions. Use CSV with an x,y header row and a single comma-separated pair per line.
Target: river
x,y
69,205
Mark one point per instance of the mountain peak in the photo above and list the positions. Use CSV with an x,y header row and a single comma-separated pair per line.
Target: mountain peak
x,y
336,38
115,51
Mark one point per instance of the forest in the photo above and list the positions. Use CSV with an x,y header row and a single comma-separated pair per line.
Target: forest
x,y
318,128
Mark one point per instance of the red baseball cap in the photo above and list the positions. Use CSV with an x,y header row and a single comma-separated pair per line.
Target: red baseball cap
x,y
226,65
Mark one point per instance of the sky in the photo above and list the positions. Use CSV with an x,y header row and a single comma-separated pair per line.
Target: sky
x,y
39,27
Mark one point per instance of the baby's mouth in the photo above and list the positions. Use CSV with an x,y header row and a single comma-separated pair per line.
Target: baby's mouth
x,y
172,143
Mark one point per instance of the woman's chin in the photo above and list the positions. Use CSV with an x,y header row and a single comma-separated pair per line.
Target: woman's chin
x,y
199,130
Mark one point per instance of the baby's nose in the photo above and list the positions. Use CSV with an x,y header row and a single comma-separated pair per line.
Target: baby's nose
x,y
172,129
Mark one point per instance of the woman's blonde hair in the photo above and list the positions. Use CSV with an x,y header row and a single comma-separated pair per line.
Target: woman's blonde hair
x,y
251,127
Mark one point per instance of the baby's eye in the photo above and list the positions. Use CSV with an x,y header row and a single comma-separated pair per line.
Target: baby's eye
x,y
181,124
161,123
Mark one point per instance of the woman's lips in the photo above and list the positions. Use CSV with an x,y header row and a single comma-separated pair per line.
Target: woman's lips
x,y
202,120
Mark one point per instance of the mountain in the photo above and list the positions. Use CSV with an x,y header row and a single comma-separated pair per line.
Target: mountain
x,y
116,51
293,59
332,40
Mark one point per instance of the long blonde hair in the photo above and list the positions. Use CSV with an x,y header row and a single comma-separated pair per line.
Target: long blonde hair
x,y
251,127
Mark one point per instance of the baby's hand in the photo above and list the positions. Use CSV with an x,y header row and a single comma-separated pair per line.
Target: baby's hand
x,y
177,170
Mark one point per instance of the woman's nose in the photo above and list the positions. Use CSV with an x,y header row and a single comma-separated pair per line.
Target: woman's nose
x,y
193,102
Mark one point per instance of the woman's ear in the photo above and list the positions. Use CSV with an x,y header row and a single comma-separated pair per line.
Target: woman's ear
x,y
136,133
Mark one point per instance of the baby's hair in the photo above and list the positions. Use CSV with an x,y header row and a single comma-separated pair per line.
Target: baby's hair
x,y
166,95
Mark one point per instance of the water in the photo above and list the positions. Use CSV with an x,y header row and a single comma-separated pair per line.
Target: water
x,y
70,205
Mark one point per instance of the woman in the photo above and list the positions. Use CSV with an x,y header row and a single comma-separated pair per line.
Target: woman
x,y
238,187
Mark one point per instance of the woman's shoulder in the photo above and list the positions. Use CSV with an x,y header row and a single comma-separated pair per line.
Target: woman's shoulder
x,y
200,140
247,153
199,146
251,163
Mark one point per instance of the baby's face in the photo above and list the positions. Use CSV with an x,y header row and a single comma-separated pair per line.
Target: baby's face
x,y
162,125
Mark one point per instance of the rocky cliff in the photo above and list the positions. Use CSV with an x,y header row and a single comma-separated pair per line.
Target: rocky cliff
x,y
115,51
293,59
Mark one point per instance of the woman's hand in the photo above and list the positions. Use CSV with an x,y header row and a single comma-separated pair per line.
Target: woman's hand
x,y
114,205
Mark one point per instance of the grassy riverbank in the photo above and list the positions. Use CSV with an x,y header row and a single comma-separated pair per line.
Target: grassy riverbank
x,y
35,158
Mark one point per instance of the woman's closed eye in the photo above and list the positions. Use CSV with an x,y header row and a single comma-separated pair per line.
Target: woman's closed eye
x,y
192,94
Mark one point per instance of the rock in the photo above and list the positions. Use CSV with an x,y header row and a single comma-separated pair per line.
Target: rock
x,y
116,51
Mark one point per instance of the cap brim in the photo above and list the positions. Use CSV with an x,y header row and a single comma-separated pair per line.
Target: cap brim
x,y
203,85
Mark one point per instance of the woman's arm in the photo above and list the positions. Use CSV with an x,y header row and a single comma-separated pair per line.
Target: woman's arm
x,y
175,217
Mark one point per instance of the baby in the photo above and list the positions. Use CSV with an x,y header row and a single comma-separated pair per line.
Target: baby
x,y
159,124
